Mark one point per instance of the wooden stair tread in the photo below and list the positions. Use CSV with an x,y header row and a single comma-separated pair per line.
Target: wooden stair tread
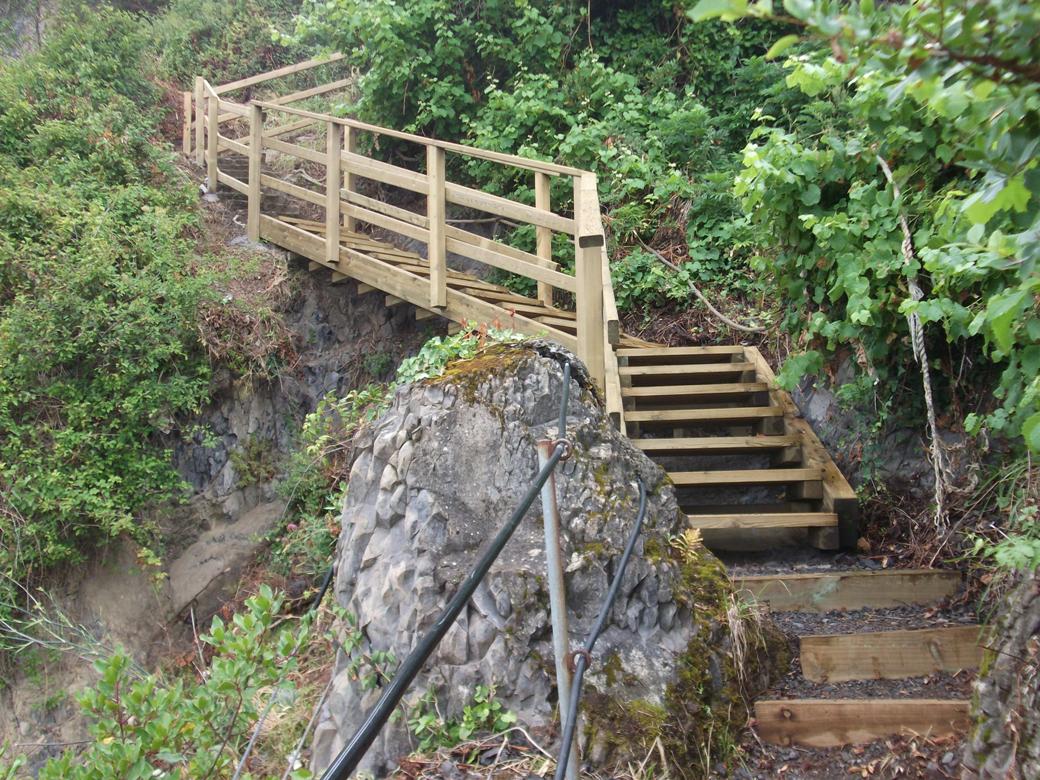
x,y
762,520
830,590
746,476
717,444
681,351
725,388
837,722
890,655
685,369
726,413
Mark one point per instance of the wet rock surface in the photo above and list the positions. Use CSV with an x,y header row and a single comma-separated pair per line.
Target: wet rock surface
x,y
435,478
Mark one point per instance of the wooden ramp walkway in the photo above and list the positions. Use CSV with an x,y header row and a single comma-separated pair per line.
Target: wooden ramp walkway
x,y
747,468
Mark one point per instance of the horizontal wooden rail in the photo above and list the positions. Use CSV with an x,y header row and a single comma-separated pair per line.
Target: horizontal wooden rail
x,y
288,70
524,163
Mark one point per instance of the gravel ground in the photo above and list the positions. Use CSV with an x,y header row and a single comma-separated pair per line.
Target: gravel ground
x,y
801,560
860,621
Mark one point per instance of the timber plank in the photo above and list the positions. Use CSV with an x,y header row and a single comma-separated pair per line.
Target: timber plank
x,y
889,655
687,369
825,591
672,391
835,722
721,414
715,444
668,352
744,476
764,520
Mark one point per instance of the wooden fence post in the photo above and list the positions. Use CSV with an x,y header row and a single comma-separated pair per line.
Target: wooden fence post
x,y
200,122
256,156
213,133
349,179
588,272
333,179
435,213
543,235
186,127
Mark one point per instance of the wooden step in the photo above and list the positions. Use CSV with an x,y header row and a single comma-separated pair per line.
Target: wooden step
x,y
890,655
717,445
686,370
716,414
826,591
763,520
654,392
668,353
745,477
835,722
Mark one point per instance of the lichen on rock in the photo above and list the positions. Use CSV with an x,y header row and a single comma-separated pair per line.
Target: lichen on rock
x,y
436,477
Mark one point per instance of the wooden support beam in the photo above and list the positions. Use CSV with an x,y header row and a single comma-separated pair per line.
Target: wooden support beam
x,y
765,520
212,141
543,235
890,655
256,151
349,179
588,272
826,591
715,445
288,70
200,121
836,722
437,251
731,414
186,124
333,179
743,477
697,369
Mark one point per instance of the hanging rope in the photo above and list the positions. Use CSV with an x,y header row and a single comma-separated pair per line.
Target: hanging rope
x,y
700,295
921,355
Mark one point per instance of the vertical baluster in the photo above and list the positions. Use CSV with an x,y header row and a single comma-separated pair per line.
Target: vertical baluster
x,y
213,129
349,179
435,213
588,272
256,152
333,179
186,126
200,122
543,235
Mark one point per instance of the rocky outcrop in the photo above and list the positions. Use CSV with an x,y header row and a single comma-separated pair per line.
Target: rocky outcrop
x,y
1005,742
436,477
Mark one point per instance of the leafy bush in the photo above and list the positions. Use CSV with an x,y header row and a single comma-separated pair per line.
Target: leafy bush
x,y
98,350
957,124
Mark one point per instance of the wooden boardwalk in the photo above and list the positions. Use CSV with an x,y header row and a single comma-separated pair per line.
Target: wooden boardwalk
x,y
746,467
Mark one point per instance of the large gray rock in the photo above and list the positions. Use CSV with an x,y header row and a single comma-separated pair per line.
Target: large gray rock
x,y
436,478
1005,742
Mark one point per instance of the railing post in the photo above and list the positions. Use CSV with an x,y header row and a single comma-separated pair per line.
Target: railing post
x,y
349,179
435,213
200,122
333,178
256,156
588,272
213,133
186,127
543,235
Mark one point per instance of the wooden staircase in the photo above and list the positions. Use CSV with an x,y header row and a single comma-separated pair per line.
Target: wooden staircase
x,y
741,457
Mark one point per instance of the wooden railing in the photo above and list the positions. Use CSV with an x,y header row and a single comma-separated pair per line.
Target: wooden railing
x,y
260,128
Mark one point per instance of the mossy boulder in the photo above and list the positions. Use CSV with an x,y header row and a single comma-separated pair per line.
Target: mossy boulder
x,y
438,475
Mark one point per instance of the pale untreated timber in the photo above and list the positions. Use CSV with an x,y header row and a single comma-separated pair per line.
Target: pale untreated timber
x,y
349,179
212,139
186,124
321,89
835,722
890,655
671,391
256,150
232,182
665,352
295,150
223,142
762,520
304,194
714,444
437,252
273,74
826,591
744,477
724,414
333,153
543,235
200,121
684,369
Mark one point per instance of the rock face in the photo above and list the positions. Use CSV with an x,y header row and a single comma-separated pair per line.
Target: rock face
x,y
436,477
1005,742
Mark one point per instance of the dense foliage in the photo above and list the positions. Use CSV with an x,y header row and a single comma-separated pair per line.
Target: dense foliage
x,y
97,339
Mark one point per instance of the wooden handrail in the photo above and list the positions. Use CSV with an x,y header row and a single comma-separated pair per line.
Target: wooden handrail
x,y
288,70
595,318
471,151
